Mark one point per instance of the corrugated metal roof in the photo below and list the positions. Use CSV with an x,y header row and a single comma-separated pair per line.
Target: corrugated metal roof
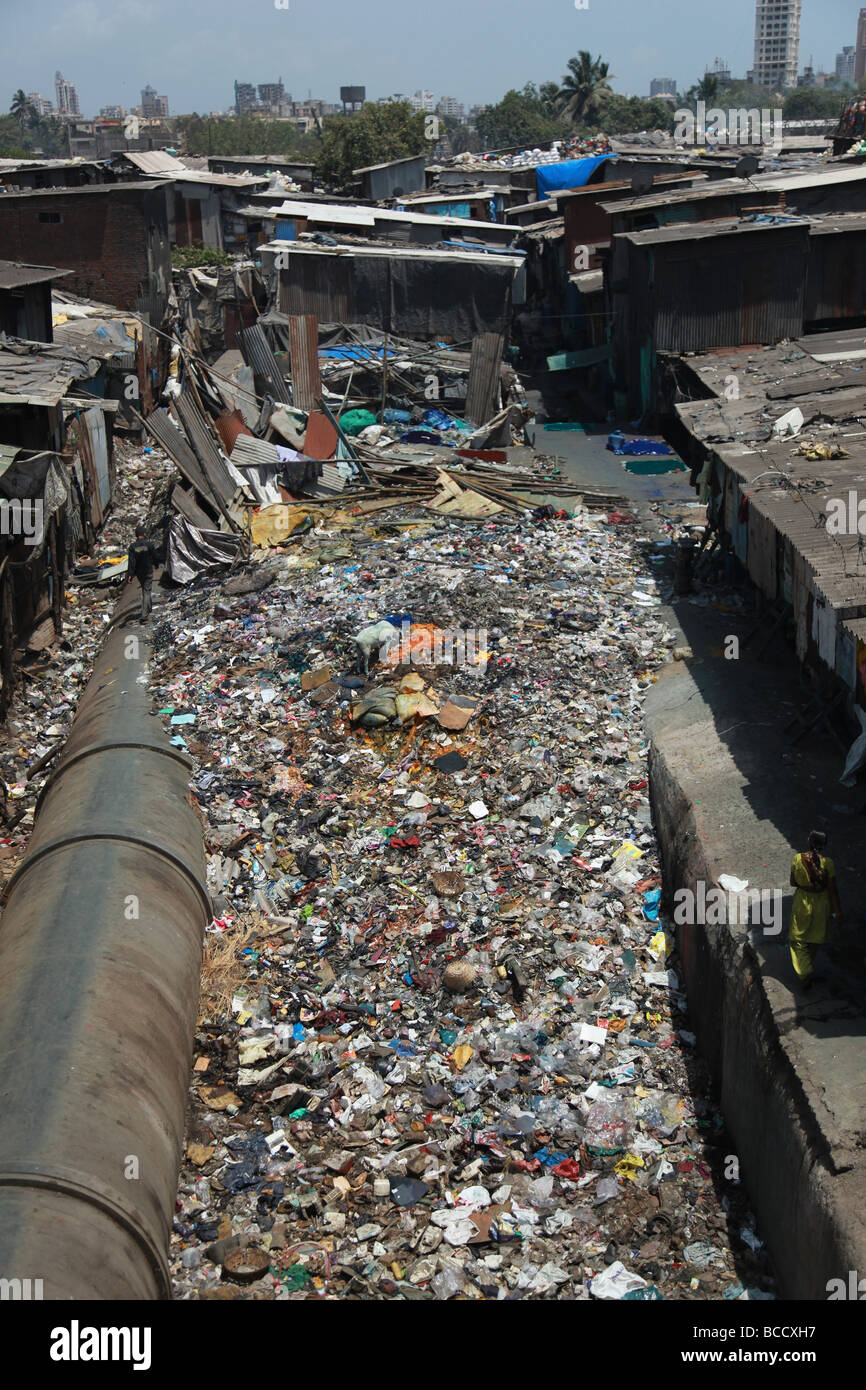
x,y
258,355
822,177
389,164
13,274
428,253
249,452
701,231
84,189
39,378
154,161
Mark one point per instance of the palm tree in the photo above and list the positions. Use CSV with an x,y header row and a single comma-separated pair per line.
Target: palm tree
x,y
548,94
583,86
21,108
705,90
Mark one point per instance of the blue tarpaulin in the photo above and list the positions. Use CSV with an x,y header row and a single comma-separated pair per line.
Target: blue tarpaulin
x,y
570,173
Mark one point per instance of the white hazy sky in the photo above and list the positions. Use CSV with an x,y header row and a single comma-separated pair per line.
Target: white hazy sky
x,y
474,50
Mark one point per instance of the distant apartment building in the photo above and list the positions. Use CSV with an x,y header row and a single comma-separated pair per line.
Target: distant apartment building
x,y
112,113
272,93
663,87
845,64
860,48
245,98
41,105
777,43
153,106
423,101
67,96
450,106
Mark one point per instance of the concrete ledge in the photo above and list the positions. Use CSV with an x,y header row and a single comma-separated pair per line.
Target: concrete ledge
x,y
800,1148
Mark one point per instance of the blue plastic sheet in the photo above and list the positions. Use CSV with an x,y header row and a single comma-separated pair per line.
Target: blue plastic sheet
x,y
620,445
569,173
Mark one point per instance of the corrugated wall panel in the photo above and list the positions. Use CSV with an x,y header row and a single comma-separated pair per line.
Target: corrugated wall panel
x,y
712,293
304,353
836,275
319,286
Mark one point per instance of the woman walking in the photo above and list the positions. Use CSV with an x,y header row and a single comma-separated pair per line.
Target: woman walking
x,y
813,876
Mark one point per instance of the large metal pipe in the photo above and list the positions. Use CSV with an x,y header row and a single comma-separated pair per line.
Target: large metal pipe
x,y
100,960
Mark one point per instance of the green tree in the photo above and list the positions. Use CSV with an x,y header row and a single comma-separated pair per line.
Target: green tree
x,y
583,86
200,135
518,119
548,94
21,109
812,104
619,115
706,90
380,131
459,137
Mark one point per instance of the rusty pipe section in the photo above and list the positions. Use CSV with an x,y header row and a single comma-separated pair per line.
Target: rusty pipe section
x,y
100,960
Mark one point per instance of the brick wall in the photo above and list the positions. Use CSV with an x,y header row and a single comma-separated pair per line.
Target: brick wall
x,y
114,239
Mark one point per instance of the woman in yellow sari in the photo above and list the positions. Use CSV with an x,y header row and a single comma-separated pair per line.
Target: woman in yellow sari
x,y
814,878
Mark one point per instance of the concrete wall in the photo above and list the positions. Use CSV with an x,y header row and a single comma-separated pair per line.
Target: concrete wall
x,y
810,1203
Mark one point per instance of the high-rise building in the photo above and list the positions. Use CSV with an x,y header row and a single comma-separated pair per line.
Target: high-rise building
x,y
272,93
777,43
67,96
245,97
450,106
112,113
845,64
423,101
41,105
663,87
153,106
860,48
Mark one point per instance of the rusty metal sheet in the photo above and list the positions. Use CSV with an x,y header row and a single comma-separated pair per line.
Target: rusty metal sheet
x,y
482,393
320,441
304,353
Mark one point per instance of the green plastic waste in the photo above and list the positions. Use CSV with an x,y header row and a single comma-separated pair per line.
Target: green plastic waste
x,y
356,420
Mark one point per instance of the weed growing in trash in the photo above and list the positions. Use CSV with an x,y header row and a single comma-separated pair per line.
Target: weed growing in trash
x,y
452,1055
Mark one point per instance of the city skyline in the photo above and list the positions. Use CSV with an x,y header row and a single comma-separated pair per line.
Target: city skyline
x,y
314,58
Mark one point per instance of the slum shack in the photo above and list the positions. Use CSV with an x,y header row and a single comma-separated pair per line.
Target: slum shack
x,y
25,300
420,292
112,238
56,481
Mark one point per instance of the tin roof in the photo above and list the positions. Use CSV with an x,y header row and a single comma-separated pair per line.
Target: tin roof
x,y
14,274
825,376
37,373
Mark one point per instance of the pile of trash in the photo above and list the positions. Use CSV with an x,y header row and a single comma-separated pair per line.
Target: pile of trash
x,y
451,1056
55,667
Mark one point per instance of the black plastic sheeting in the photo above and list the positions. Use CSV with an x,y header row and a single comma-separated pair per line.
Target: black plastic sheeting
x,y
417,297
191,551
